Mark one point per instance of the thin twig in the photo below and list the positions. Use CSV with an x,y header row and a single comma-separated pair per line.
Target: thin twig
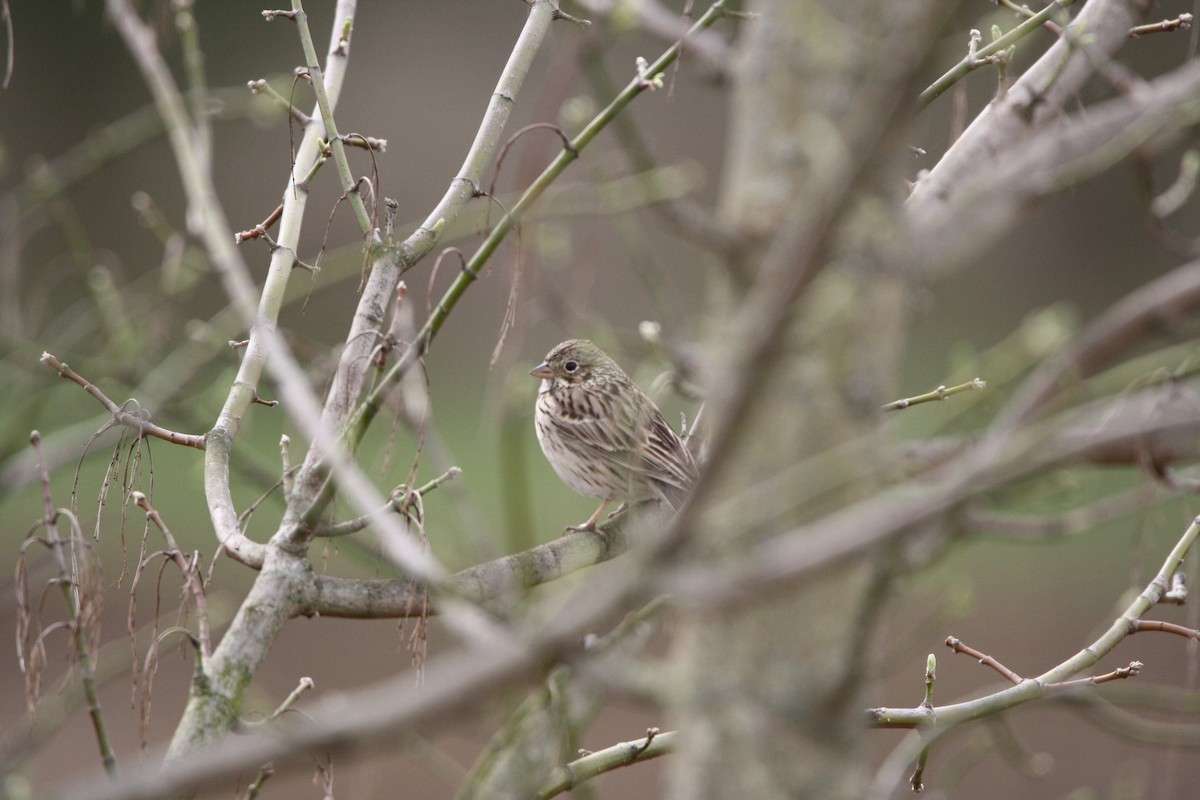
x,y
121,416
1120,674
69,586
940,393
957,646
619,755
1180,23
188,568
1140,625
400,498
336,144
973,59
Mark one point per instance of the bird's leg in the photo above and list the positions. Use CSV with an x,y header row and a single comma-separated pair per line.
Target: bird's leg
x,y
617,512
590,525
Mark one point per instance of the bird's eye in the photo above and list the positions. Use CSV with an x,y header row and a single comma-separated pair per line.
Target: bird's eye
x,y
571,366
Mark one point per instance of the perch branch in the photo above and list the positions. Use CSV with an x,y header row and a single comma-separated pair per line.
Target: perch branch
x,y
388,598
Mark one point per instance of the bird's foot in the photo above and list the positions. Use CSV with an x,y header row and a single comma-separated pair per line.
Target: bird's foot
x,y
590,525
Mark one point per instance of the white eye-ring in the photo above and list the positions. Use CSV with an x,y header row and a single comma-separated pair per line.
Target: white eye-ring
x,y
571,366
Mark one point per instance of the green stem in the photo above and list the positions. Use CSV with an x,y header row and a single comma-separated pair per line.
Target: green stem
x,y
313,65
972,61
589,766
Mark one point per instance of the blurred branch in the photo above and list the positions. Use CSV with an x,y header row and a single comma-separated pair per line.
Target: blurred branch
x,y
46,181
1130,726
684,213
1171,239
938,394
1063,152
1158,308
981,522
539,734
373,717
1152,426
108,142
1001,135
370,717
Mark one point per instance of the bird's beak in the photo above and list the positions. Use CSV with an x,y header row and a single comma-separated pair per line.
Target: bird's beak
x,y
542,371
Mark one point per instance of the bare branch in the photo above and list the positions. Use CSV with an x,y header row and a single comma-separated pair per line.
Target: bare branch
x,y
370,407
1057,679
1152,425
622,754
957,646
138,423
190,570
371,599
979,56
940,393
75,597
1002,129
385,273
1160,308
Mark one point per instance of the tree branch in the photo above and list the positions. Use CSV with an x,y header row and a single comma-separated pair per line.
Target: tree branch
x,y
1157,423
1046,87
622,754
1156,309
135,421
1057,678
392,260
398,597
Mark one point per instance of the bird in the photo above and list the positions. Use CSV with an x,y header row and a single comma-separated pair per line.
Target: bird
x,y
602,435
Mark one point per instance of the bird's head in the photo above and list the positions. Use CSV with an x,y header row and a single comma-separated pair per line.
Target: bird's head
x,y
572,363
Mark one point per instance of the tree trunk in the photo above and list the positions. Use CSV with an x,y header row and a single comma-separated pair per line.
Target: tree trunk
x,y
817,306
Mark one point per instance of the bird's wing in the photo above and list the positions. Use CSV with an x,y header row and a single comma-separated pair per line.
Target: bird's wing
x,y
635,439
666,460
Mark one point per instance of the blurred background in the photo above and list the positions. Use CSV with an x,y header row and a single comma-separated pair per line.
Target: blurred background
x,y
96,267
